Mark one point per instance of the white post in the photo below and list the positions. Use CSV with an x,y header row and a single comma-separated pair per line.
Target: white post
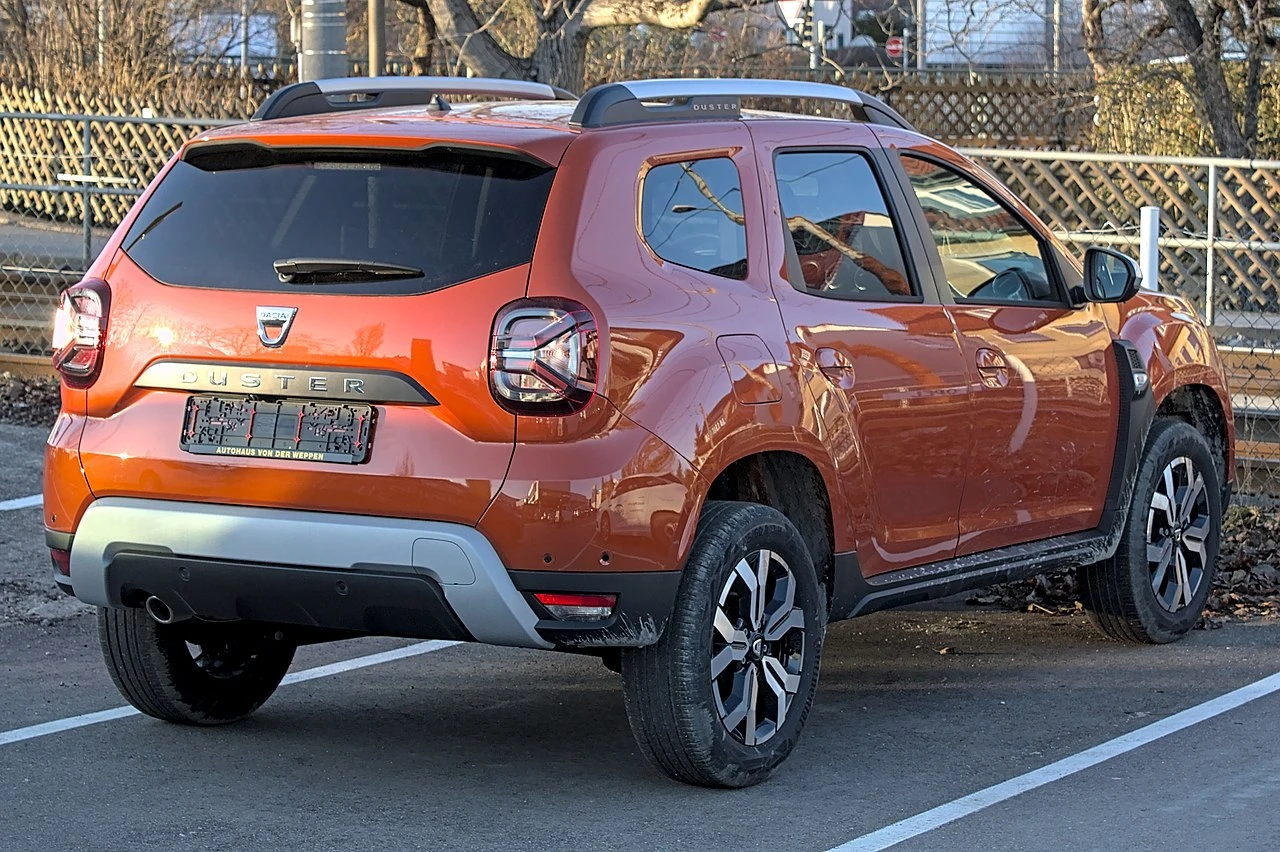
x,y
377,34
1057,37
244,38
1149,248
920,34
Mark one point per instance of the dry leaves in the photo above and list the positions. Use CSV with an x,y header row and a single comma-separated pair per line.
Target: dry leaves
x,y
1247,584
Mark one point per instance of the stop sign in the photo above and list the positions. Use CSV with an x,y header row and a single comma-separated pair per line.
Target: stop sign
x,y
893,47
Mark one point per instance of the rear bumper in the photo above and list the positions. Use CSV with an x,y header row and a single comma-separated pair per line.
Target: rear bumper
x,y
366,575
322,570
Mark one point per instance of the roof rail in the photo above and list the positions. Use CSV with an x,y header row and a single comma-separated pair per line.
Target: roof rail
x,y
711,98
355,93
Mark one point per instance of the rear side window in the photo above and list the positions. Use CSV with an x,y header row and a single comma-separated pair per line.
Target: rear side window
x,y
844,236
691,215
394,222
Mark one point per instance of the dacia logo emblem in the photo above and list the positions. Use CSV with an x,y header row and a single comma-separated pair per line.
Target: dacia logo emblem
x,y
274,324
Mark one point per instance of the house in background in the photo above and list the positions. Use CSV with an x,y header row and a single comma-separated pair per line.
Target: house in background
x,y
989,34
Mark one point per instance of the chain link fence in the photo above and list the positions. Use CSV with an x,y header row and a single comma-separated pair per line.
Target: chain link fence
x,y
1219,247
65,180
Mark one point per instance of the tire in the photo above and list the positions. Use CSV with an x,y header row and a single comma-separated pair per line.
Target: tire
x,y
233,669
1157,596
699,728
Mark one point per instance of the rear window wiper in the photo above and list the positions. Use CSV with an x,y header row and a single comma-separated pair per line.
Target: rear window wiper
x,y
151,226
321,270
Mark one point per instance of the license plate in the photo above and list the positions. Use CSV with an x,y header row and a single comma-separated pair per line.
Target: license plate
x,y
285,429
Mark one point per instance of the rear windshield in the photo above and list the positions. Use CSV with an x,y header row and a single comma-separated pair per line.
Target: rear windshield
x,y
227,216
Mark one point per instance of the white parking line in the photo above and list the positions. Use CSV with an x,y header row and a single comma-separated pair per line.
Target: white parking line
x,y
21,503
57,726
927,821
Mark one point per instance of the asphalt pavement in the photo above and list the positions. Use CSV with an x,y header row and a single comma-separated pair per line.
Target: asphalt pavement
x,y
471,747
27,241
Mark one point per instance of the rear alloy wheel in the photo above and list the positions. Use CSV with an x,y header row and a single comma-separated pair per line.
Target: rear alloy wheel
x,y
721,699
192,672
1155,586
757,645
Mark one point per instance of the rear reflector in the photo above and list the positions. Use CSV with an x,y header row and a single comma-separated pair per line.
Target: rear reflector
x,y
61,561
571,606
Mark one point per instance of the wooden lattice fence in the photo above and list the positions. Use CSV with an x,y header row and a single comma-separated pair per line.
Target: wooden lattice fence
x,y
972,108
48,142
1054,112
1231,205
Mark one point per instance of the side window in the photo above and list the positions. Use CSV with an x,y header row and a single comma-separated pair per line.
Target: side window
x,y
988,254
840,226
691,214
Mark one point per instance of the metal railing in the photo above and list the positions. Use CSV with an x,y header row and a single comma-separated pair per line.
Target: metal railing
x,y
64,179
1219,246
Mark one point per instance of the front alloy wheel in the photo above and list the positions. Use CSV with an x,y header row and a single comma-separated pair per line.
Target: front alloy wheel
x,y
1178,528
1155,586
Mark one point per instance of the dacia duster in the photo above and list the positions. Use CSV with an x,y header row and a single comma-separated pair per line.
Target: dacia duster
x,y
642,375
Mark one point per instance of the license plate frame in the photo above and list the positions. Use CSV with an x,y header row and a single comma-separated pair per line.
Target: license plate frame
x,y
281,429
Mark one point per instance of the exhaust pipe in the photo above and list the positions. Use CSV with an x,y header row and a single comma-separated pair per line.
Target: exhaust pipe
x,y
163,613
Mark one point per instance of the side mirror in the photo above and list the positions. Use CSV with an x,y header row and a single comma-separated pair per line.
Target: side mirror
x,y
1110,276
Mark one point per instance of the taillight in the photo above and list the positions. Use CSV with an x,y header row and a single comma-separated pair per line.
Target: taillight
x,y
80,330
542,358
573,606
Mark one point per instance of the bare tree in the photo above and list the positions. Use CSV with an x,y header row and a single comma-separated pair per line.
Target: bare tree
x,y
114,47
1225,43
560,31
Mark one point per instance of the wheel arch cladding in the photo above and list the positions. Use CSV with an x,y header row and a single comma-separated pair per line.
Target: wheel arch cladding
x,y
1199,406
792,484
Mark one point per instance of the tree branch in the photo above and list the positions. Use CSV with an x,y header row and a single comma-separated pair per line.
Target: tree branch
x,y
672,14
1203,45
477,49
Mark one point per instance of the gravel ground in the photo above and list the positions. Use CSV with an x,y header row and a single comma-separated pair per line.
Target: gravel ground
x,y
27,592
28,402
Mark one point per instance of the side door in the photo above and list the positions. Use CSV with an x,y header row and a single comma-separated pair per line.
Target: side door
x,y
1041,371
877,352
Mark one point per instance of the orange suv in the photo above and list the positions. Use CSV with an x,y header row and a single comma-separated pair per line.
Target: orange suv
x,y
642,375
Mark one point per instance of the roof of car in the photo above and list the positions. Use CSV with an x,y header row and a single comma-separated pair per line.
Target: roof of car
x,y
322,114
518,120
631,103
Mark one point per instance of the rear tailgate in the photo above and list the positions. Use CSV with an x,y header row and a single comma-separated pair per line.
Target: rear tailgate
x,y
198,308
